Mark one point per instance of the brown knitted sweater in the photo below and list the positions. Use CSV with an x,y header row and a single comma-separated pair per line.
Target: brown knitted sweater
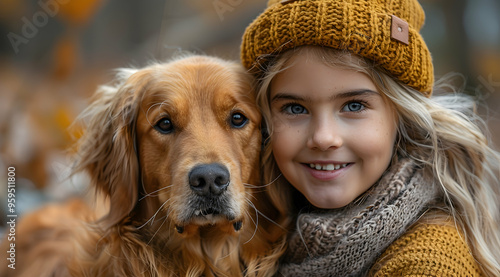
x,y
428,250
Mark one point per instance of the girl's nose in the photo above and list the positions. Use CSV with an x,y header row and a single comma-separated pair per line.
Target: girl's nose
x,y
324,135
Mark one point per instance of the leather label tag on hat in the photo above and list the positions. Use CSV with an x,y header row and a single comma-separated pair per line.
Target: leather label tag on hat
x,y
399,29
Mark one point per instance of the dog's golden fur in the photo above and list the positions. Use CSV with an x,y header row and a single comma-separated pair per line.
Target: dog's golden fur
x,y
145,136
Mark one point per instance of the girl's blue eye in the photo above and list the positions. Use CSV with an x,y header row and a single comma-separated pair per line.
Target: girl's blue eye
x,y
353,107
295,109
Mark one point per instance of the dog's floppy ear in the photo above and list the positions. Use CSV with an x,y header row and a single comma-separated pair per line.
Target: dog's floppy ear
x,y
107,150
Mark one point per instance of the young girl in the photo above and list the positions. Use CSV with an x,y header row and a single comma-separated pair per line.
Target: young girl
x,y
371,174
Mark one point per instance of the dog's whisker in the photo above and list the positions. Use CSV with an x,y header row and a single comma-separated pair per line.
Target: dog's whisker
x,y
256,222
256,214
275,179
250,195
151,193
163,217
156,232
147,113
152,217
263,186
161,104
251,186
164,174
254,188
254,192
266,217
249,216
154,195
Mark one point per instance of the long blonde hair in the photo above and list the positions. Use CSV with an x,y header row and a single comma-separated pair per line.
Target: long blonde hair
x,y
442,133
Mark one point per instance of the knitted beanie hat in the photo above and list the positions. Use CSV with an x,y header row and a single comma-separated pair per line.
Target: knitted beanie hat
x,y
384,31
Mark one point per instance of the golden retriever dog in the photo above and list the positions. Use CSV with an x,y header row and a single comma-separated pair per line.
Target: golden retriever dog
x,y
174,148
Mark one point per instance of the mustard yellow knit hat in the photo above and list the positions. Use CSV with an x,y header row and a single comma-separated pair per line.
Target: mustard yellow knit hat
x,y
384,31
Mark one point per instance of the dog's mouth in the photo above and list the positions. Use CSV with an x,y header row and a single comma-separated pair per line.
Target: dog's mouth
x,y
236,225
210,216
203,212
207,212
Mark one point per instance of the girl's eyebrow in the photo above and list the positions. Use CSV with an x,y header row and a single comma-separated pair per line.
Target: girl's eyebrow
x,y
342,95
287,96
354,93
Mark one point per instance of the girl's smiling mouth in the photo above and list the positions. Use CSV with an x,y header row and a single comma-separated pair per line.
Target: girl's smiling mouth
x,y
327,167
326,171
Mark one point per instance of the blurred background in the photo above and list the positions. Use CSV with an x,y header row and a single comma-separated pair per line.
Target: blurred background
x,y
54,53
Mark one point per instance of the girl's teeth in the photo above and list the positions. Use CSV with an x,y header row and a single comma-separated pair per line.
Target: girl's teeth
x,y
327,167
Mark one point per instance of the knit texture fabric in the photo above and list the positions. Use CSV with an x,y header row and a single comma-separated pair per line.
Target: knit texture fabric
x,y
428,250
346,242
363,27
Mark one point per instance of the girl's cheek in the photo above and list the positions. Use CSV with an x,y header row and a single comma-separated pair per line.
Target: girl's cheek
x,y
381,138
280,124
286,135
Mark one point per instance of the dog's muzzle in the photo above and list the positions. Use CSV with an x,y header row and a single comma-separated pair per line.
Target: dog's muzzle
x,y
210,201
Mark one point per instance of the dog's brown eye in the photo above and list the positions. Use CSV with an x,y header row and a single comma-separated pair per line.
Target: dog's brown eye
x,y
164,126
238,120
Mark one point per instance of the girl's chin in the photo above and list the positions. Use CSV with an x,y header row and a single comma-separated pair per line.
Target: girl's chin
x,y
322,200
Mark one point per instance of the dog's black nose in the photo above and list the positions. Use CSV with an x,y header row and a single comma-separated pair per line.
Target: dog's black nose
x,y
207,179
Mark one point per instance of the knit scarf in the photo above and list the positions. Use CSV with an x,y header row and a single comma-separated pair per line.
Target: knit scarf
x,y
347,241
